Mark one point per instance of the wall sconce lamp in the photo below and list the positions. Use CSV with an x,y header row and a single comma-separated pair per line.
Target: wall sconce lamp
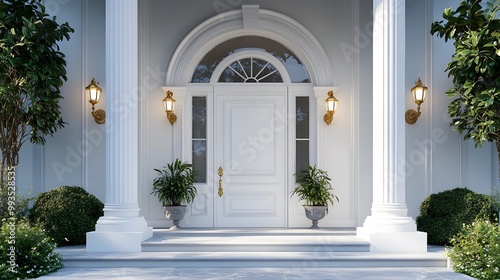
x,y
168,103
331,105
94,94
419,92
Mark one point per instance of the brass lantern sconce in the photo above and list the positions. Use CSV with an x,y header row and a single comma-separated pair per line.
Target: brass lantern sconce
x,y
419,92
331,105
94,94
168,104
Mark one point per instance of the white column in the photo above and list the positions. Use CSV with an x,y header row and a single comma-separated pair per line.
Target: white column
x,y
389,229
121,229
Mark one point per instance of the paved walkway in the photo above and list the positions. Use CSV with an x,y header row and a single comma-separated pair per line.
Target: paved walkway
x,y
292,273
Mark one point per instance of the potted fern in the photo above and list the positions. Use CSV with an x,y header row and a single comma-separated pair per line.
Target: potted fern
x,y
174,186
315,190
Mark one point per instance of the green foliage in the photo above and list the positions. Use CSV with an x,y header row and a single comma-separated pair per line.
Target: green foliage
x,y
495,195
67,213
443,214
27,252
175,184
314,187
10,200
475,67
475,250
32,70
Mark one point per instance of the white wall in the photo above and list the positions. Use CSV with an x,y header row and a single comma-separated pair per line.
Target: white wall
x,y
436,157
75,154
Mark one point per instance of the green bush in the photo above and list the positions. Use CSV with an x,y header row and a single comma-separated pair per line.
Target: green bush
x,y
475,250
27,251
67,213
443,214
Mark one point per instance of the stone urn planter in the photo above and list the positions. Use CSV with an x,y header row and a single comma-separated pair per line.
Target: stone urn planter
x,y
315,190
174,186
175,214
315,213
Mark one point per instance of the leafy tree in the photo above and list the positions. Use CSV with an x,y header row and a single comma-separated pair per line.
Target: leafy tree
x,y
32,70
475,67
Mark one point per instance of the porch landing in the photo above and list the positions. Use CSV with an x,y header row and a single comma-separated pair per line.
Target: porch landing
x,y
306,248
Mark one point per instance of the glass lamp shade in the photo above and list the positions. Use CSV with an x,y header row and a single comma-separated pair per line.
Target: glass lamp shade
x,y
93,92
419,92
331,102
169,102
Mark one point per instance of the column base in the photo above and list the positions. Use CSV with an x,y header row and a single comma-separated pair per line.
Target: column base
x,y
118,233
389,230
394,242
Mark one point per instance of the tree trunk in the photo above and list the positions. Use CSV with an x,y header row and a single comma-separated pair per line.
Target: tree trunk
x,y
8,159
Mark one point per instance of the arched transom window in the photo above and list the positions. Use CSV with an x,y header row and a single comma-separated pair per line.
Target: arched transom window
x,y
250,70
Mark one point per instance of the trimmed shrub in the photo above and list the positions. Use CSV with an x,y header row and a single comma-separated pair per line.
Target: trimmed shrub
x,y
443,214
27,251
476,250
67,213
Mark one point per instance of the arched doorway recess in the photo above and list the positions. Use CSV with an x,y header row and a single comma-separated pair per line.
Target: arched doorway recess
x,y
223,136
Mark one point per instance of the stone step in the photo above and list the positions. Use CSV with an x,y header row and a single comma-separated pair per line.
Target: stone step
x,y
252,248
238,240
252,259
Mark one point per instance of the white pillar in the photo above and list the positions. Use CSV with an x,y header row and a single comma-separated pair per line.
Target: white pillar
x,y
121,229
389,229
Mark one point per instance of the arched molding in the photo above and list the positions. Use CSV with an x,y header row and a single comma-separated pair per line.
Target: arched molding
x,y
228,25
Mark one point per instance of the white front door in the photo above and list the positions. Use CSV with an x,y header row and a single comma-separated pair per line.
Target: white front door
x,y
250,146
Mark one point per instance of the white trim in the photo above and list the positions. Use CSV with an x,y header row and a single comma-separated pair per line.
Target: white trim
x,y
178,130
355,120
320,93
272,25
84,107
144,87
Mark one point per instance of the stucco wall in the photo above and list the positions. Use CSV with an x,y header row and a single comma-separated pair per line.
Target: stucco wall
x,y
436,157
76,153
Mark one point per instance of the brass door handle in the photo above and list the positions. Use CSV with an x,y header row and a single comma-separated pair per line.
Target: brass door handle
x,y
221,172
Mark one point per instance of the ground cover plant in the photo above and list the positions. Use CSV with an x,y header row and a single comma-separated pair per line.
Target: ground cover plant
x,y
475,251
26,250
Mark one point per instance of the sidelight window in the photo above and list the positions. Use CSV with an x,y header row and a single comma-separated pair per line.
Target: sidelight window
x,y
301,133
200,138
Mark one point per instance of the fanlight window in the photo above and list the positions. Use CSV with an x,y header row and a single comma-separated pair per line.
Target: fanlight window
x,y
250,70
294,67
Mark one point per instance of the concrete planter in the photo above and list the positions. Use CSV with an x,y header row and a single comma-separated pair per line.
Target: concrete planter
x,y
175,214
315,213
